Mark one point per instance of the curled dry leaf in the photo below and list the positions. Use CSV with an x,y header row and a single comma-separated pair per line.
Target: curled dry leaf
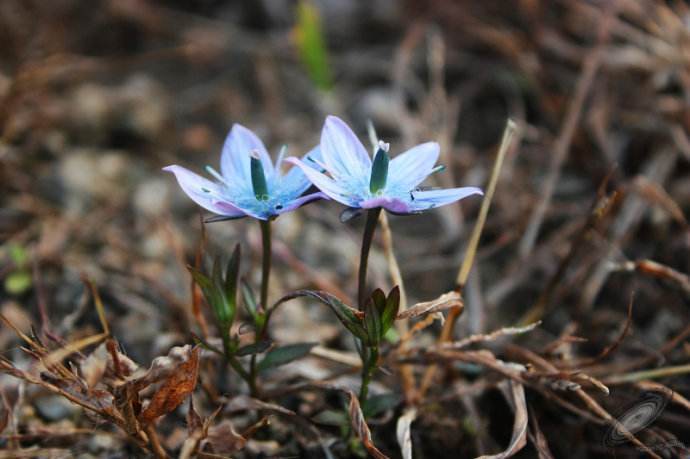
x,y
402,432
165,367
94,366
4,418
516,398
446,301
108,365
506,331
180,382
361,428
224,439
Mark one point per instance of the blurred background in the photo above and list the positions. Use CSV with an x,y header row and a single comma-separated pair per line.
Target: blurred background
x,y
96,97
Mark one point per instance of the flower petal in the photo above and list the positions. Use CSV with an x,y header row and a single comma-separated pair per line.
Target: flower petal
x,y
295,182
395,205
409,169
330,187
234,160
203,192
343,153
299,202
424,200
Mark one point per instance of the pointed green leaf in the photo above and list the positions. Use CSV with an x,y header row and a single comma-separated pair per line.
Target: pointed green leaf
x,y
351,318
209,347
390,311
372,322
223,306
285,354
232,274
205,284
377,404
311,45
249,299
254,348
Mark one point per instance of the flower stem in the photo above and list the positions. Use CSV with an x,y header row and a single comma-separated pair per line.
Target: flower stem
x,y
265,277
236,365
369,229
368,367
266,261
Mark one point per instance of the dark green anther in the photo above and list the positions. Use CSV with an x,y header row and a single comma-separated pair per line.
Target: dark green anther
x,y
379,169
258,178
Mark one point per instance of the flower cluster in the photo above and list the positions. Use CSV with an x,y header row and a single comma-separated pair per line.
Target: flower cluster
x,y
249,184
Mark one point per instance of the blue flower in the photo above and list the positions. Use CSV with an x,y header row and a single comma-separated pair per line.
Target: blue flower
x,y
358,182
248,184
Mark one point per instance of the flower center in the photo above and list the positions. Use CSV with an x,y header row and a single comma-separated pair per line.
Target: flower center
x,y
379,169
258,177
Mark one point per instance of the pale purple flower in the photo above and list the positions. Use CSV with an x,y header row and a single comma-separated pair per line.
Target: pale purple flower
x,y
248,184
358,182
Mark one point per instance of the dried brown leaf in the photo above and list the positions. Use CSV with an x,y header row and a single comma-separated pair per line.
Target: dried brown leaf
x,y
175,389
537,437
654,193
94,366
4,418
224,439
519,437
402,431
506,331
244,402
446,301
361,428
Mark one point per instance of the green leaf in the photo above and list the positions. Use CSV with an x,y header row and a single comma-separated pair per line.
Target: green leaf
x,y
223,304
232,273
204,283
379,170
19,255
18,282
214,289
254,348
351,318
209,347
372,321
249,299
285,354
379,403
390,310
312,45
332,418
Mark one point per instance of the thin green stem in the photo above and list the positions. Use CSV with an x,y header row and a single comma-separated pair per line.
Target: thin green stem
x,y
265,277
368,368
369,229
266,261
236,365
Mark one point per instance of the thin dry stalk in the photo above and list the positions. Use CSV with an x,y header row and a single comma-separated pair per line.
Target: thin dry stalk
x,y
510,133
